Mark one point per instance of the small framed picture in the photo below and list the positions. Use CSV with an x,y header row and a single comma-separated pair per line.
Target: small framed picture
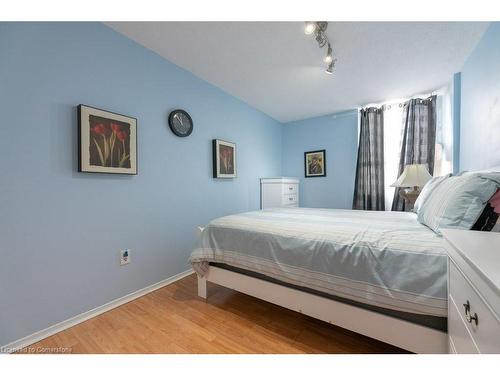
x,y
224,159
107,142
315,163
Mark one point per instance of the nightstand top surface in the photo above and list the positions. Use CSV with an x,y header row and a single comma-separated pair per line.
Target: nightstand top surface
x,y
481,250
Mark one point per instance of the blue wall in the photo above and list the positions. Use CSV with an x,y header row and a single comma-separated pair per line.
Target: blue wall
x,y
480,106
338,135
61,231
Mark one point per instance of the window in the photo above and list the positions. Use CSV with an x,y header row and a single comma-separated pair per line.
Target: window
x,y
443,160
393,136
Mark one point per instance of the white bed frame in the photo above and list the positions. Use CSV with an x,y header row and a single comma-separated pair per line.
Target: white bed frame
x,y
413,337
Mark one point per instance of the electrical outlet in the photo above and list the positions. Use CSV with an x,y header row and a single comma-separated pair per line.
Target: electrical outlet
x,y
124,257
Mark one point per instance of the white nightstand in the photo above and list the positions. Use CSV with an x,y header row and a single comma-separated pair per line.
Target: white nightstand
x,y
473,291
279,192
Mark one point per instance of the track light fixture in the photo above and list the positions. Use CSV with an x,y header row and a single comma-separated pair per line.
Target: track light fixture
x,y
318,29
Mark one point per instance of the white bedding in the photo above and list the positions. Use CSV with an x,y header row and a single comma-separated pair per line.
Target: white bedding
x,y
385,259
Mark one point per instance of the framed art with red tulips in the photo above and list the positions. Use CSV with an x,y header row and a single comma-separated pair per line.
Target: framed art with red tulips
x,y
107,141
224,159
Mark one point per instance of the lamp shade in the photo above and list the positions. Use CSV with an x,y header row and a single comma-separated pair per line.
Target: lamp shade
x,y
413,175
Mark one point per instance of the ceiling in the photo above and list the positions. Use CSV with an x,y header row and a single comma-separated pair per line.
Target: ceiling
x,y
276,68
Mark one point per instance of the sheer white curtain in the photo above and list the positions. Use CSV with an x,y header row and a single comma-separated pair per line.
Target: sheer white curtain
x,y
443,160
393,135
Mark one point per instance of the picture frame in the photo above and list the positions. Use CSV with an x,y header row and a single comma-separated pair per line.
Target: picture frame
x,y
315,163
224,159
107,141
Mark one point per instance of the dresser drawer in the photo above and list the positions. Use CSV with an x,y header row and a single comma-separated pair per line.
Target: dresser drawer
x,y
461,341
486,333
279,192
290,188
290,200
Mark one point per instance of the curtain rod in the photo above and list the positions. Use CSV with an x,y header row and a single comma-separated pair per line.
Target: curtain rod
x,y
401,102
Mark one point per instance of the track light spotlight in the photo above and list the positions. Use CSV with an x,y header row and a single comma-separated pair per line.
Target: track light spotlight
x,y
329,69
329,56
310,27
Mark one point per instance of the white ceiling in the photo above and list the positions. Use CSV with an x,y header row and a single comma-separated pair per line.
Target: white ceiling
x,y
276,68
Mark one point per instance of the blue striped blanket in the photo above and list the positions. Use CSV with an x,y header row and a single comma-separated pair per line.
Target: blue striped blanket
x,y
385,259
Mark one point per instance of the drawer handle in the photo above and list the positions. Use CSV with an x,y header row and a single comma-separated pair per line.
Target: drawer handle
x,y
290,199
468,316
290,188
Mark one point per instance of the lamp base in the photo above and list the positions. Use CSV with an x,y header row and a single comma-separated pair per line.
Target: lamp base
x,y
410,196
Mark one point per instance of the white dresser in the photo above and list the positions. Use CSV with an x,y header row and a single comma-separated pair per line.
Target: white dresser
x,y
279,192
473,291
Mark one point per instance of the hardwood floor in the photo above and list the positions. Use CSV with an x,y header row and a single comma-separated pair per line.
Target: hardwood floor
x,y
174,319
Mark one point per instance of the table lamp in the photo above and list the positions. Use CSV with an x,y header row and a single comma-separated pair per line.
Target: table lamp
x,y
414,176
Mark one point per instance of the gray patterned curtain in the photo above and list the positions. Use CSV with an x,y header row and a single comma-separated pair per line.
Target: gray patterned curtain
x,y
419,139
369,185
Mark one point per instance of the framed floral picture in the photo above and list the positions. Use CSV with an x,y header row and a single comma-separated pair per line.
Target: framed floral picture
x,y
315,163
107,142
224,159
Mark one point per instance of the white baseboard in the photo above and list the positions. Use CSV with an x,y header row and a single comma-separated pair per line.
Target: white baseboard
x,y
58,327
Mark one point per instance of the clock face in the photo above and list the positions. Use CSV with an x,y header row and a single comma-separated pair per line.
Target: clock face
x,y
180,123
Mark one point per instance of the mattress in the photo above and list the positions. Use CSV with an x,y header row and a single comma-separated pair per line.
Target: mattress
x,y
382,259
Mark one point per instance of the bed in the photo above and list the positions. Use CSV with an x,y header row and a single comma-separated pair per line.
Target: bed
x,y
381,274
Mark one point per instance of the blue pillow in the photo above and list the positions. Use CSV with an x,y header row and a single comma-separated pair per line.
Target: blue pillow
x,y
458,201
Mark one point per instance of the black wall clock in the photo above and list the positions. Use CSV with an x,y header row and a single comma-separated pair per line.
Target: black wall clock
x,y
180,123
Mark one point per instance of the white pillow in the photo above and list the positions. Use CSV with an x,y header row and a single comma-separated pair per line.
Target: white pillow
x,y
458,201
427,190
